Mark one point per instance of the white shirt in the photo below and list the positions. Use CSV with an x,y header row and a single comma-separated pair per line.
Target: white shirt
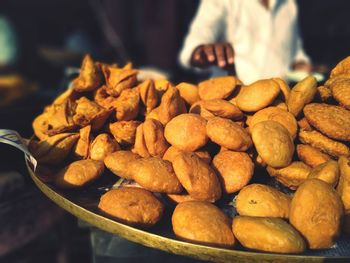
x,y
266,42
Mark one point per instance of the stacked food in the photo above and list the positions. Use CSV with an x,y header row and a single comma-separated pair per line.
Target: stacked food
x,y
198,144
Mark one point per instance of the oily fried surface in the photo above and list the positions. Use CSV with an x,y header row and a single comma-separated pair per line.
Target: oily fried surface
x,y
311,155
217,88
119,163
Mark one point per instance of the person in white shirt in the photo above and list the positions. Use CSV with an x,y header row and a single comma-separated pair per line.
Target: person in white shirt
x,y
259,37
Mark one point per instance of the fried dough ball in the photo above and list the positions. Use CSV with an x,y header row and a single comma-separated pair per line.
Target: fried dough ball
x,y
155,175
327,172
217,107
331,120
316,212
301,94
124,132
81,149
102,145
263,201
217,88
257,95
127,105
172,152
132,206
234,169
311,156
188,92
79,173
274,143
228,134
202,223
343,187
187,132
267,234
197,177
291,176
119,163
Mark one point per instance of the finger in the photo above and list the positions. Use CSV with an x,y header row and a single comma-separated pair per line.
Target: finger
x,y
220,55
209,53
197,54
229,54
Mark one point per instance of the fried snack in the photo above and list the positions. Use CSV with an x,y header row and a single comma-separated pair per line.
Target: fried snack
x,y
327,172
41,126
217,107
217,88
127,105
340,91
343,187
70,94
155,175
153,133
162,85
280,104
172,152
54,149
274,143
331,120
103,145
171,105
283,87
234,169
102,98
148,94
187,132
323,143
188,92
132,206
180,198
81,149
119,163
341,68
324,93
140,147
267,234
88,112
316,211
228,134
119,79
197,177
153,114
124,132
90,77
79,173
276,114
202,223
291,176
257,95
304,125
263,201
301,94
311,156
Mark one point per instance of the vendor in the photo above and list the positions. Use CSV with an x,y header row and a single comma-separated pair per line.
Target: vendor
x,y
259,37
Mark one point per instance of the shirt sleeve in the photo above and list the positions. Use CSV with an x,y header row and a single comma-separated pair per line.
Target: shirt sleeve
x,y
206,27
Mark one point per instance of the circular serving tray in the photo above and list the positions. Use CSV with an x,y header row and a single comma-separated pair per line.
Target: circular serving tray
x,y
83,204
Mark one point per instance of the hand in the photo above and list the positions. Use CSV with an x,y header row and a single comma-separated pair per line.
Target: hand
x,y
217,54
302,66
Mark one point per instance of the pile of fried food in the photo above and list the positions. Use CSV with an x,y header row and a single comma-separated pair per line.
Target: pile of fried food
x,y
195,144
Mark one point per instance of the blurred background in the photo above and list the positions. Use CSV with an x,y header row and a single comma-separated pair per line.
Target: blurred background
x,y
42,44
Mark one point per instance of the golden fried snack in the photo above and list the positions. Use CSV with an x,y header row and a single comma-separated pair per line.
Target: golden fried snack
x,y
155,175
323,143
341,68
228,134
153,114
311,156
276,114
127,105
132,206
187,132
153,133
304,124
267,234
148,94
327,172
234,169
140,147
119,79
280,104
283,87
103,145
81,149
343,187
180,198
90,76
273,142
102,98
197,177
124,131
263,201
216,107
202,223
188,92
301,94
331,120
316,211
341,92
119,163
291,176
171,105
41,126
324,93
162,85
79,173
217,88
172,152
54,149
257,95
70,94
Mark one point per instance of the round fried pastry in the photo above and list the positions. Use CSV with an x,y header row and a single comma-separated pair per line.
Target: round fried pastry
x,y
172,152
153,133
188,92
343,187
327,172
124,131
217,88
119,163
341,92
102,145
311,156
217,107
